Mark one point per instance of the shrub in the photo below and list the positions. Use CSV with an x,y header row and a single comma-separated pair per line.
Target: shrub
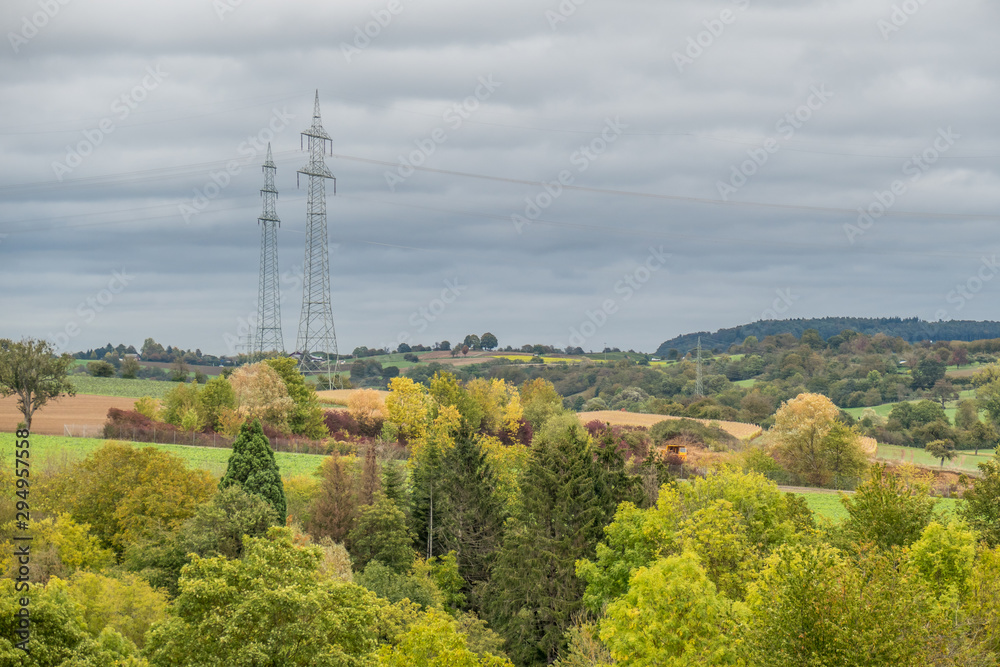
x,y
101,369
148,407
341,424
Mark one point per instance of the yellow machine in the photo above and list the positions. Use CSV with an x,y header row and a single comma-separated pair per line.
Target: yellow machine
x,y
679,451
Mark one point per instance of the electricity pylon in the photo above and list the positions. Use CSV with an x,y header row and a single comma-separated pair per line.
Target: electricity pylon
x,y
267,334
316,345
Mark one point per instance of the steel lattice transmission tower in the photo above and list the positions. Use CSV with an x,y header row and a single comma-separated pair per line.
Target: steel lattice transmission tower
x,y
698,389
267,335
316,345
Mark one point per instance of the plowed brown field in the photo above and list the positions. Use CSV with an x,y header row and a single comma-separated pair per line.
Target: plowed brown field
x,y
82,410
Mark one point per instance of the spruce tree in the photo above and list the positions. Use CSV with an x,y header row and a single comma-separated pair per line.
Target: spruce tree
x,y
534,593
382,535
394,485
252,466
472,527
427,500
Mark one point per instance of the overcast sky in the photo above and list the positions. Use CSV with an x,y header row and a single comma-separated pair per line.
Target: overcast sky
x,y
717,154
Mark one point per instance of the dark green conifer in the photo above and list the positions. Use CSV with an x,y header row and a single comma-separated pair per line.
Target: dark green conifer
x,y
252,466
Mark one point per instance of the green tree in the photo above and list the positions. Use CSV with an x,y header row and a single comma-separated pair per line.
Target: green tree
x,y
101,369
488,341
540,401
179,370
59,632
534,592
944,557
394,485
415,585
813,444
812,607
717,535
435,639
218,528
127,494
252,466
944,391
731,517
473,342
177,402
927,372
671,616
983,435
130,367
472,526
981,506
125,603
886,511
307,415
150,346
983,602
217,396
381,534
273,606
941,449
30,370
812,338
634,539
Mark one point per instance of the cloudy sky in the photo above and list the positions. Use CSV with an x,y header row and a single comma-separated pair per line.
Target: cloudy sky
x,y
578,172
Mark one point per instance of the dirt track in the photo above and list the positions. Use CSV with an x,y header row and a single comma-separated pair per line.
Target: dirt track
x,y
82,410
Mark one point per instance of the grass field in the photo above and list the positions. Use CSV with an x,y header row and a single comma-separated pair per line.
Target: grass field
x,y
746,384
828,505
86,384
45,448
884,409
966,461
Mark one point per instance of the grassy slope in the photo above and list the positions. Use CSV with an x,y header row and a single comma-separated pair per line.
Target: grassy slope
x,y
965,461
45,448
828,506
884,409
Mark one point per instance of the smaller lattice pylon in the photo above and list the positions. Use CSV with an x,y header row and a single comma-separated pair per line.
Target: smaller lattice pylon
x,y
267,333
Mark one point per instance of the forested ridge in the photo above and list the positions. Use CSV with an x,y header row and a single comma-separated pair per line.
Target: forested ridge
x,y
910,329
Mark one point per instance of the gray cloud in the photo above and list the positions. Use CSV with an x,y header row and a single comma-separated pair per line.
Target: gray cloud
x,y
560,81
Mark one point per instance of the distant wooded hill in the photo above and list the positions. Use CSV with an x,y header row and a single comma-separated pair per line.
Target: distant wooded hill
x,y
910,329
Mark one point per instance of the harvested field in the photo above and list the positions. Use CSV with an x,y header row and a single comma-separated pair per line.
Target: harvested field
x,y
340,396
82,410
619,418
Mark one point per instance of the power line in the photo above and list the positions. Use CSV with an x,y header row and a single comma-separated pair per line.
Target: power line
x,y
680,198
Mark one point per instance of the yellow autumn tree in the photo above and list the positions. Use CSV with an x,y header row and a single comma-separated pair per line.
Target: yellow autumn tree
x,y
500,403
540,401
812,443
409,407
262,394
